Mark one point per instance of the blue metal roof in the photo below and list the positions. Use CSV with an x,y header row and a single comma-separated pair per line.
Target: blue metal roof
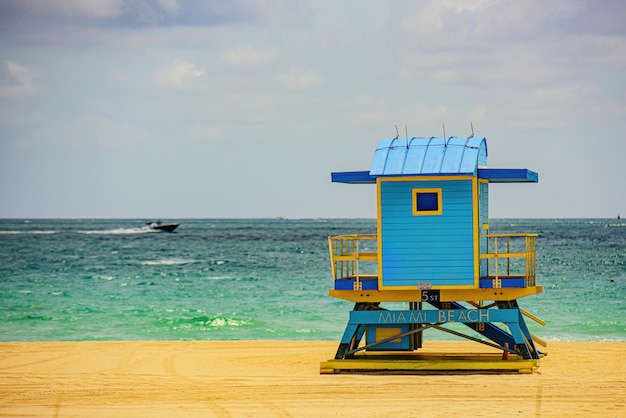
x,y
419,156
432,156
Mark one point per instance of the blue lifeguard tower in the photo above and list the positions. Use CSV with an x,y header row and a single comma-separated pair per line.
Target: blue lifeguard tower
x,y
434,253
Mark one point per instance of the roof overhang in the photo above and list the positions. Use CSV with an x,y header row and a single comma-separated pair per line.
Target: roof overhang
x,y
493,175
353,177
508,175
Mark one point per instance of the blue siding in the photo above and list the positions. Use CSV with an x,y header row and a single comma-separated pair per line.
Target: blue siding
x,y
438,248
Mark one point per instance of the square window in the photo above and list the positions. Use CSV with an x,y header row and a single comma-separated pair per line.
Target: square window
x,y
427,202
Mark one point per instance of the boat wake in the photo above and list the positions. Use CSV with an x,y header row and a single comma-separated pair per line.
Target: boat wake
x,y
121,231
167,262
28,232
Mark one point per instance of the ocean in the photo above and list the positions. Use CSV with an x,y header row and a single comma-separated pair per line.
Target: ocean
x,y
237,279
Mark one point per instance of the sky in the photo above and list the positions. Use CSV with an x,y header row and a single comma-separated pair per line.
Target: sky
x,y
176,109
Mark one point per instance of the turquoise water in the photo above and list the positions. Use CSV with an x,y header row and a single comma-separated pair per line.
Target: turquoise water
x,y
74,280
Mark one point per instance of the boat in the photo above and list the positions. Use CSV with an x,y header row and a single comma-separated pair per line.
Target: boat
x,y
159,226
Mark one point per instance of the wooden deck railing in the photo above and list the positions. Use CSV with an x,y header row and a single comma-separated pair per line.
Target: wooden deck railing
x,y
510,256
354,256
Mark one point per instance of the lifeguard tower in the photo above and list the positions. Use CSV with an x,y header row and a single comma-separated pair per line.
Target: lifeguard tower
x,y
434,256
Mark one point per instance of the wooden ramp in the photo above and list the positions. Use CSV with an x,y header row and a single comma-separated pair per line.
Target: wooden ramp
x,y
430,363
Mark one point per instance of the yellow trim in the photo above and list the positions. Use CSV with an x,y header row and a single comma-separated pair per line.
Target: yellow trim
x,y
379,230
446,295
417,212
424,178
475,209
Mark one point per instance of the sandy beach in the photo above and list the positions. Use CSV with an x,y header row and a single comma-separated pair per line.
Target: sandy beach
x,y
282,379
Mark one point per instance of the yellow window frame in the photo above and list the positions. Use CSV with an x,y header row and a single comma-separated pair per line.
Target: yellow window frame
x,y
416,212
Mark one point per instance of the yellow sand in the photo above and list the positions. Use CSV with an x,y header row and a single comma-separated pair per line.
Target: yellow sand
x,y
281,379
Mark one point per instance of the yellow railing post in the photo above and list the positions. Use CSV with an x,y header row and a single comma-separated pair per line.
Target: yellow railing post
x,y
497,262
331,248
508,260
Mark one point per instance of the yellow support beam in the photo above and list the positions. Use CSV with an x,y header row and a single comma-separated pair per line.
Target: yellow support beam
x,y
429,363
533,317
538,340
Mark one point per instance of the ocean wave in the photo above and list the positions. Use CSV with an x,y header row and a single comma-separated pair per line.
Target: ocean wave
x,y
219,322
306,331
206,322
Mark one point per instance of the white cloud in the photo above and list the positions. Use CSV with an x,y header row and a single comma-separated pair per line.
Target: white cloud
x,y
178,75
246,57
201,134
600,51
97,9
172,7
301,80
518,42
559,94
102,9
15,80
471,24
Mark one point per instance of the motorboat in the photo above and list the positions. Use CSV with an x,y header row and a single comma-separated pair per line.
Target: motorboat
x,y
159,226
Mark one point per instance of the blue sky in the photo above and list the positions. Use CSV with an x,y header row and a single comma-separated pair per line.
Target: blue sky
x,y
210,109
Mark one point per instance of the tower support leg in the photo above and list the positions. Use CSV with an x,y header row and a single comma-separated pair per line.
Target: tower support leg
x,y
354,331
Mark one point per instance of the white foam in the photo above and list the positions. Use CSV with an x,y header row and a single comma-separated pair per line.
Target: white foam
x,y
226,322
167,262
28,232
121,231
